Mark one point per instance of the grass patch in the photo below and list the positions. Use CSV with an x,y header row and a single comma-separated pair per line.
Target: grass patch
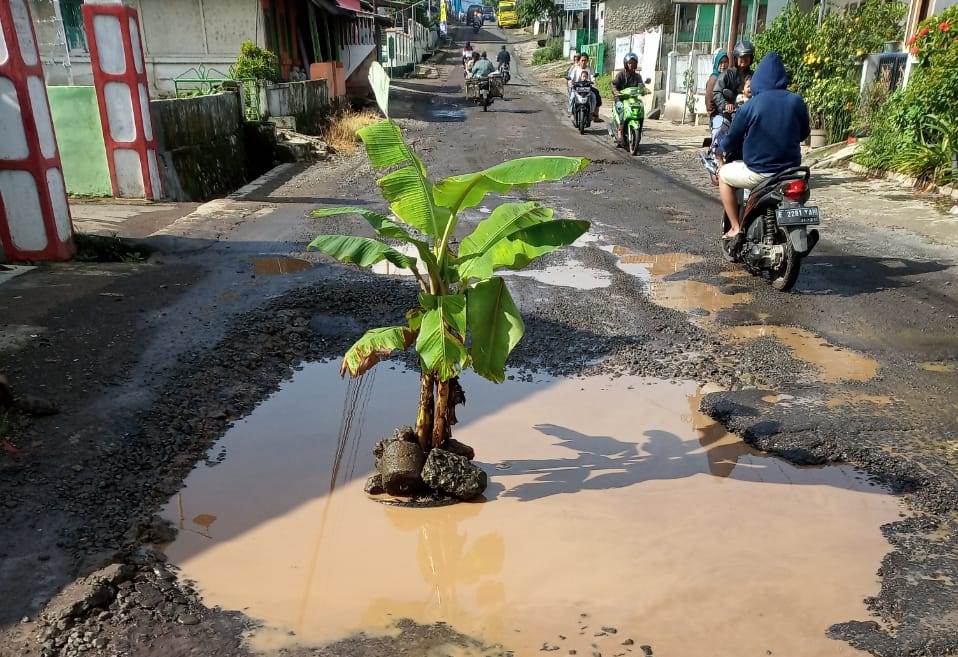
x,y
550,52
340,133
604,84
100,248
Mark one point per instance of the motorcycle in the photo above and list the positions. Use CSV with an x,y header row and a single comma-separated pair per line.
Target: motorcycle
x,y
775,220
475,27
504,72
580,105
632,119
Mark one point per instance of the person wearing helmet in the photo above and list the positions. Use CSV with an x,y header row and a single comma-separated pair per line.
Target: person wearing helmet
x,y
626,78
732,82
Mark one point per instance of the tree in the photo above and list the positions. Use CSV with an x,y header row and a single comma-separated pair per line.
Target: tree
x,y
465,316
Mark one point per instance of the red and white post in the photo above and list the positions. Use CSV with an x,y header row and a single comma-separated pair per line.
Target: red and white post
x,y
35,221
116,55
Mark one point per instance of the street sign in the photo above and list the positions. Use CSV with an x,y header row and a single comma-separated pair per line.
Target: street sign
x,y
576,5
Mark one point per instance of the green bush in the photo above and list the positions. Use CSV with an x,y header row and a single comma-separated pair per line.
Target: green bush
x,y
824,63
551,52
529,11
257,63
604,84
916,131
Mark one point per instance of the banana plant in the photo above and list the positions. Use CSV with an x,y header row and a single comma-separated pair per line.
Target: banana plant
x,y
466,316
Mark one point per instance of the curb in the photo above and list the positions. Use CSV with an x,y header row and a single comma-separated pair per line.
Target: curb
x,y
905,181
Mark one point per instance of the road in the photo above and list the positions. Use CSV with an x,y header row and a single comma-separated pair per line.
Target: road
x,y
856,365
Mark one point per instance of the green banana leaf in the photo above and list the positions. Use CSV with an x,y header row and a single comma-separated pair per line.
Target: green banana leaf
x,y
375,344
440,349
387,228
360,251
521,247
460,192
408,189
504,220
495,326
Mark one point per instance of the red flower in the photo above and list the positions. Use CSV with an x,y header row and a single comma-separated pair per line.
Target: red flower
x,y
914,50
923,33
944,26
912,39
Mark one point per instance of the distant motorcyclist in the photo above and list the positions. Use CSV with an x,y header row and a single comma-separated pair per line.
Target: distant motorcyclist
x,y
627,78
504,57
765,137
482,68
731,83
584,67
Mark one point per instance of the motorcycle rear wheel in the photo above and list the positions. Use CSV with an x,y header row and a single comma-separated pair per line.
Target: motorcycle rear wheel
x,y
785,277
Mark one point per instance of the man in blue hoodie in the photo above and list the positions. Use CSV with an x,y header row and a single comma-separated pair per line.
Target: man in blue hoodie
x,y
765,137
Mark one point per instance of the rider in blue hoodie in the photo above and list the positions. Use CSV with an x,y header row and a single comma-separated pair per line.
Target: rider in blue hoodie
x,y
765,136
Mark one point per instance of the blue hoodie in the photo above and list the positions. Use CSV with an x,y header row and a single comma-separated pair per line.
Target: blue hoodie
x,y
768,130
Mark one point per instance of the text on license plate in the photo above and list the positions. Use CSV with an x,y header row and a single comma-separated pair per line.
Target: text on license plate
x,y
797,216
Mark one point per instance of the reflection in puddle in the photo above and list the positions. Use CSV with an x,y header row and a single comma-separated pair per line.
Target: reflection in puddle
x,y
942,368
620,502
833,363
569,274
279,265
683,295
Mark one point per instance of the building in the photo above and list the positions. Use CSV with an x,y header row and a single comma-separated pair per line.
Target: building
x,y
200,39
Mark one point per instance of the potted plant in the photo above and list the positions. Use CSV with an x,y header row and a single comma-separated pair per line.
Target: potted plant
x,y
465,316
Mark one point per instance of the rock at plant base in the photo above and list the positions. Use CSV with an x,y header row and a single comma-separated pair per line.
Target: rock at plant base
x,y
406,433
460,449
374,485
453,474
401,467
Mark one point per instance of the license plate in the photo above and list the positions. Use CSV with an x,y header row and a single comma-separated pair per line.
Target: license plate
x,y
797,216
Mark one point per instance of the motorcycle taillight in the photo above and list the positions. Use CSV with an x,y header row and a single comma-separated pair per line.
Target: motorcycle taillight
x,y
794,190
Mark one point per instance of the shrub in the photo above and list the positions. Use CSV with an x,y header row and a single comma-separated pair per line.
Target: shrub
x,y
824,63
916,132
257,63
604,84
551,52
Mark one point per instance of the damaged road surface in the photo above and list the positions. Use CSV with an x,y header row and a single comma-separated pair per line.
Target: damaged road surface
x,y
681,461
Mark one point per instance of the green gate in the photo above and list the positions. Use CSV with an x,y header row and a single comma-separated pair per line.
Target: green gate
x,y
596,53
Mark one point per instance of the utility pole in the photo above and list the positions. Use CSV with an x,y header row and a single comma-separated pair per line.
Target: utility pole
x,y
733,28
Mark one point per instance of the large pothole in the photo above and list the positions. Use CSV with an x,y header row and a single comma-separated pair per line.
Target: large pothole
x,y
617,516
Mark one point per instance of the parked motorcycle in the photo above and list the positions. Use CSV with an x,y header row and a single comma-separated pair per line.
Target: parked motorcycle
x,y
580,108
632,118
775,224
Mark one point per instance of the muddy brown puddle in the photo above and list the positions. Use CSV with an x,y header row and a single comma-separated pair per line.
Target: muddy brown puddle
x,y
612,504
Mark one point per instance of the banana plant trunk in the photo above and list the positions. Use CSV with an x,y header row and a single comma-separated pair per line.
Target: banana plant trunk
x,y
442,428
424,420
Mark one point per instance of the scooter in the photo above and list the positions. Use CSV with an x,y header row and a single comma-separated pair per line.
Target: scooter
x,y
504,72
580,105
775,224
475,27
632,118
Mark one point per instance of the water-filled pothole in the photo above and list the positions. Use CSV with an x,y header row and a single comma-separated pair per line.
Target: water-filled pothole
x,y
279,265
615,512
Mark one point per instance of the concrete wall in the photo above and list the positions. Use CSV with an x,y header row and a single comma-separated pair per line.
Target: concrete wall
x,y
76,119
630,16
177,35
307,101
201,142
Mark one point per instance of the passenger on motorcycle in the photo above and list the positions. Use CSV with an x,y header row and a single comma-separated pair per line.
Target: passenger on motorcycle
x,y
765,137
471,63
466,53
482,68
582,72
731,83
627,78
719,66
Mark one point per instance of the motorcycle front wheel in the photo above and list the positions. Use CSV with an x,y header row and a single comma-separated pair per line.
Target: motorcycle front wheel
x,y
485,103
580,122
635,138
785,277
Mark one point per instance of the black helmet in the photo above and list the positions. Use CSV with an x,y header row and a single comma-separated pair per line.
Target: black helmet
x,y
743,48
630,57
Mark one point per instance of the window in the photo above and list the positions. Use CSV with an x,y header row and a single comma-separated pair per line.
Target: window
x,y
73,25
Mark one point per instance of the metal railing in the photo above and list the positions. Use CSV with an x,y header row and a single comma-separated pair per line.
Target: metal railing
x,y
203,81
